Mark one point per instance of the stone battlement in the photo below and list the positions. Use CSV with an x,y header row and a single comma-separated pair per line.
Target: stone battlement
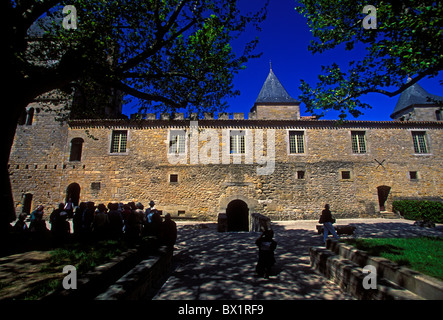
x,y
194,116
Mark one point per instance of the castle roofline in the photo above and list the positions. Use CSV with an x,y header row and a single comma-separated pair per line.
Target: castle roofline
x,y
415,96
233,123
273,92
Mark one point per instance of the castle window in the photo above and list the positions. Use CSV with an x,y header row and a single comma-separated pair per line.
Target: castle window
x,y
296,142
413,175
95,186
438,115
358,142
419,139
30,117
173,178
177,142
346,175
119,140
76,149
300,174
237,139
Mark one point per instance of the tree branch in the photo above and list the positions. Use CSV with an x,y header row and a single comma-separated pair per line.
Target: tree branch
x,y
147,96
393,93
159,42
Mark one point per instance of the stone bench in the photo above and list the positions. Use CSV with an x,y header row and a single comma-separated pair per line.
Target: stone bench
x,y
340,229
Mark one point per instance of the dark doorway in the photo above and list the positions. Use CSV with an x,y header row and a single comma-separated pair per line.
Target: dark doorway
x,y
27,203
237,214
73,193
383,193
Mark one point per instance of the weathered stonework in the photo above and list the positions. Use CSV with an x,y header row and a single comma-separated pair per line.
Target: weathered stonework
x,y
294,185
142,173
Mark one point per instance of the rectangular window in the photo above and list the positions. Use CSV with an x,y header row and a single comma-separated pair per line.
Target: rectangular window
x,y
300,174
358,142
419,139
346,175
173,178
237,138
119,140
296,142
413,175
177,142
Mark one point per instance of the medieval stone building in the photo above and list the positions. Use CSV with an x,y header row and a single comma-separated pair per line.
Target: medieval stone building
x,y
275,162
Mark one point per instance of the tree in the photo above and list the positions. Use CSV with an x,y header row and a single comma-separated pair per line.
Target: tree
x,y
407,41
168,54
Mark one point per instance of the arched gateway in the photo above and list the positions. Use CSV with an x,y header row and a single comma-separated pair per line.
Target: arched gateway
x,y
237,214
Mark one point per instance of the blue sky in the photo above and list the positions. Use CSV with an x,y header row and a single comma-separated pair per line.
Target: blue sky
x,y
284,40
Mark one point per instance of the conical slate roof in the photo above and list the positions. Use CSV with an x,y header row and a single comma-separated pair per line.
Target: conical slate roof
x,y
414,95
273,92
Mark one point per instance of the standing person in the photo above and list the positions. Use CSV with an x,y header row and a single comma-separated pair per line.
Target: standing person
x,y
169,231
20,226
266,247
327,220
156,223
55,215
69,208
148,217
115,221
36,213
78,217
37,223
100,222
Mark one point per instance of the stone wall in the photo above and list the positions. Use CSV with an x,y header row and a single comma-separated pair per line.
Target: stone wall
x,y
142,173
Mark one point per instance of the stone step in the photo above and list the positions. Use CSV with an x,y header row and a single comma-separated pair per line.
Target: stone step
x,y
388,290
413,281
389,215
349,276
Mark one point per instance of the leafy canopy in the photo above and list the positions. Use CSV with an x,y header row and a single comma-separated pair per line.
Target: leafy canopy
x,y
166,54
407,42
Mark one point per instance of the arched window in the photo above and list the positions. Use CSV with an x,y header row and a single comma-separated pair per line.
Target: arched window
x,y
76,149
30,117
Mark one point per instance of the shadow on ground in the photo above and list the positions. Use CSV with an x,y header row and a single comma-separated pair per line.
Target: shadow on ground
x,y
212,265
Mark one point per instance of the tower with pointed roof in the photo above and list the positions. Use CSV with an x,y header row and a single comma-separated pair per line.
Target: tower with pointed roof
x,y
274,102
416,104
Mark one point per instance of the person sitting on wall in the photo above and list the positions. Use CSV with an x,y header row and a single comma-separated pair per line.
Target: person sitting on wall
x,y
327,220
266,247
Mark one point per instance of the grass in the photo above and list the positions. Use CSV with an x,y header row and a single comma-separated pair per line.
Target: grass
x,y
423,254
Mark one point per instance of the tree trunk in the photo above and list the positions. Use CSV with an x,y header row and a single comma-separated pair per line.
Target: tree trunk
x,y
14,102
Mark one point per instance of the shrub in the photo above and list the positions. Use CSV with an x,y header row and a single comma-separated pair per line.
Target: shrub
x,y
419,209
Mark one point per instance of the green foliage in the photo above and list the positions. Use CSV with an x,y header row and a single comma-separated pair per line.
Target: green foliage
x,y
419,209
166,55
407,42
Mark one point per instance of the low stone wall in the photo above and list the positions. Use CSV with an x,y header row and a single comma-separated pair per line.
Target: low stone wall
x,y
140,282
96,281
344,265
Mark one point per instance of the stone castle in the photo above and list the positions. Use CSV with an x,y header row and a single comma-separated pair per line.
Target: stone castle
x,y
275,162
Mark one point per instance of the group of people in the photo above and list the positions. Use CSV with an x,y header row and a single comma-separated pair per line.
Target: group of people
x,y
114,221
